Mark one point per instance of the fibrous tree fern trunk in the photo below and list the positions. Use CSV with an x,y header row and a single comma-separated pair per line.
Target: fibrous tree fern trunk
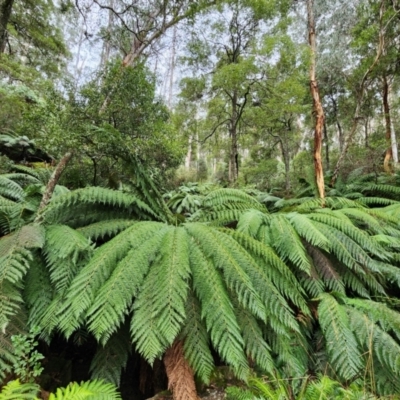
x,y
317,106
180,374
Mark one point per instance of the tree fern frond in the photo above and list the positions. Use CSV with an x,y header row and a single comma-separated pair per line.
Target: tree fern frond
x,y
110,359
114,299
196,341
84,287
288,244
91,390
307,230
388,319
256,347
11,190
102,229
340,340
375,340
376,201
221,199
38,291
217,218
14,390
15,255
235,263
97,196
217,311
163,310
251,221
342,224
269,272
64,250
326,270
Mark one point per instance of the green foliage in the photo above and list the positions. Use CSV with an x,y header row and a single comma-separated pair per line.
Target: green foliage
x,y
91,390
15,390
27,364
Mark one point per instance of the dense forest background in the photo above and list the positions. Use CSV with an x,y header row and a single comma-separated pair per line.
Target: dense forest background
x,y
187,186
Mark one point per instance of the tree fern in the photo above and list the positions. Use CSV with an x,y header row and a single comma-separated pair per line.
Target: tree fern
x,y
15,255
91,390
14,390
340,340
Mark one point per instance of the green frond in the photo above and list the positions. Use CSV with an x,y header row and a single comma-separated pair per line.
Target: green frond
x,y
217,311
340,341
28,171
292,353
287,243
96,196
341,223
376,201
235,264
235,393
307,230
103,229
21,178
159,314
324,266
15,255
11,190
364,219
15,390
375,340
111,359
250,222
38,291
221,199
256,347
114,299
271,278
97,271
196,341
217,218
65,250
91,390
388,319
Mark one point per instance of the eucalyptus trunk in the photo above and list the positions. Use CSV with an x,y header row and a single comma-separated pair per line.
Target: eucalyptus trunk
x,y
5,13
317,106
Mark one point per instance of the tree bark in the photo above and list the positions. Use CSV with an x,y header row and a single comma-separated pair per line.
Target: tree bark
x,y
317,106
48,193
388,126
180,374
5,13
233,154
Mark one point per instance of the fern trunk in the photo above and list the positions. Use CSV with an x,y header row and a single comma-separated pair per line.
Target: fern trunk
x,y
180,374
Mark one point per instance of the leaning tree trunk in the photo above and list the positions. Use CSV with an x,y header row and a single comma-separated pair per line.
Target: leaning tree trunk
x,y
51,184
5,13
317,106
180,374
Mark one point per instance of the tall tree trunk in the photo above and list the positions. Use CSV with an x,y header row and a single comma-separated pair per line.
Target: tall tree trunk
x,y
5,13
388,126
317,106
188,158
106,52
180,374
326,140
233,154
172,68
